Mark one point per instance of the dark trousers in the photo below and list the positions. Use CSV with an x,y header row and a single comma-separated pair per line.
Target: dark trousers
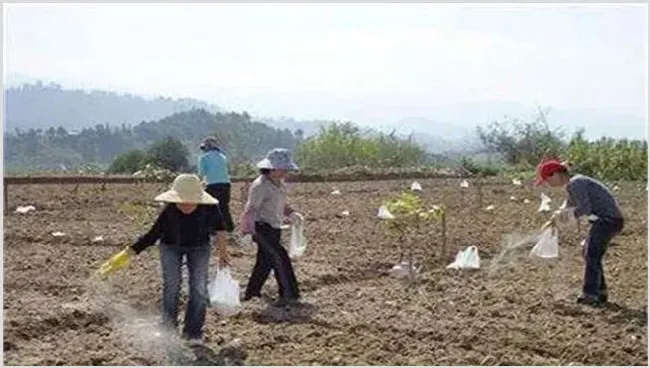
x,y
221,191
271,255
600,234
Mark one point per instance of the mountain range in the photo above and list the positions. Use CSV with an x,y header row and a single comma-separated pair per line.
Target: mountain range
x,y
441,128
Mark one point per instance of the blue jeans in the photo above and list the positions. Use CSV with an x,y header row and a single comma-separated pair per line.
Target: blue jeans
x,y
198,261
600,234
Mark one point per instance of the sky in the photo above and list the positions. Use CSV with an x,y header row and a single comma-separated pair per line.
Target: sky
x,y
340,60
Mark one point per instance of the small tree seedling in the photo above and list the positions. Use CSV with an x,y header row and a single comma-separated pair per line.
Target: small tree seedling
x,y
410,214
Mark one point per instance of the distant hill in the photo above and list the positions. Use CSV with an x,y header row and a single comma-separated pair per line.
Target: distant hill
x,y
43,106
55,148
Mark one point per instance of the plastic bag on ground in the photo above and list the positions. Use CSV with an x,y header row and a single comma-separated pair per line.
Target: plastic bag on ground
x,y
384,213
464,184
401,270
223,292
298,242
416,187
466,259
25,209
336,192
516,182
545,205
547,246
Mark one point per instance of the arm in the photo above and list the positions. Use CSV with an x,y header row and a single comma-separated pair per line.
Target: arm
x,y
256,196
201,167
152,235
579,199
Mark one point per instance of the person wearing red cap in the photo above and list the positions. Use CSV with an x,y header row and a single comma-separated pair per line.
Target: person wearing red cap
x,y
586,196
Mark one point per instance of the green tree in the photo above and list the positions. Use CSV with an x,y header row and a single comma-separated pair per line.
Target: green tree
x,y
127,163
169,153
344,144
523,142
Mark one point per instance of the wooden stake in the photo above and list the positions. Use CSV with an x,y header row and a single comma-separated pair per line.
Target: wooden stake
x,y
444,235
5,195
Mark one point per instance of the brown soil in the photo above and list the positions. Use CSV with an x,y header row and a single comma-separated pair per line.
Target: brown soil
x,y
516,312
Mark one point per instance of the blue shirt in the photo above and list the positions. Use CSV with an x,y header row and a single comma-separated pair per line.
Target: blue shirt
x,y
213,166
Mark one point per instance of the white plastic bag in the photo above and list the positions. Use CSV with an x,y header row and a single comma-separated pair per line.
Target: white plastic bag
x,y
416,187
384,213
466,259
545,206
547,246
298,243
516,182
245,241
464,184
401,270
224,293
336,192
25,209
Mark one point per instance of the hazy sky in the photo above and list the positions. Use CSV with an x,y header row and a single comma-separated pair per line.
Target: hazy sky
x,y
329,60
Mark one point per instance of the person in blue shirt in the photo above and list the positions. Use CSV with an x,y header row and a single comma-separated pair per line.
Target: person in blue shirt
x,y
213,169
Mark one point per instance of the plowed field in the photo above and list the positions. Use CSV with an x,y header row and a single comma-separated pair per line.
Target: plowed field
x,y
517,311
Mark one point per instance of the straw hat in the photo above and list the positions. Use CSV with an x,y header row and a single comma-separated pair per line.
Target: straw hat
x,y
187,188
278,158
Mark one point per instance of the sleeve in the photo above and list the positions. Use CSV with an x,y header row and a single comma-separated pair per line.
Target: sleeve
x,y
579,199
256,196
216,221
153,235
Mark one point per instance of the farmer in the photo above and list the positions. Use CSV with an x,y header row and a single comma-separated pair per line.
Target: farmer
x,y
213,169
263,217
586,197
185,227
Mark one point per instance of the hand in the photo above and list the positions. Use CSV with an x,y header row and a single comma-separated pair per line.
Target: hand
x,y
295,217
246,225
117,261
563,216
222,250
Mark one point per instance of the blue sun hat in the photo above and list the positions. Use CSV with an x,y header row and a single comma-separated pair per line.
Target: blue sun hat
x,y
278,159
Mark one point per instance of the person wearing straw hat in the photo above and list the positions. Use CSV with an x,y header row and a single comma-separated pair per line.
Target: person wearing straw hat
x,y
586,196
185,228
213,169
263,216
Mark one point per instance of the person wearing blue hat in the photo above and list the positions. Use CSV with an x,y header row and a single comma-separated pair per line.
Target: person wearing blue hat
x,y
262,218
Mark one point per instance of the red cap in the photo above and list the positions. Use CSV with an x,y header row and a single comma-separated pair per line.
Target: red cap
x,y
546,169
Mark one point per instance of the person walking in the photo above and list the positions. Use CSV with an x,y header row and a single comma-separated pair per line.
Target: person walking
x,y
213,169
263,216
186,228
